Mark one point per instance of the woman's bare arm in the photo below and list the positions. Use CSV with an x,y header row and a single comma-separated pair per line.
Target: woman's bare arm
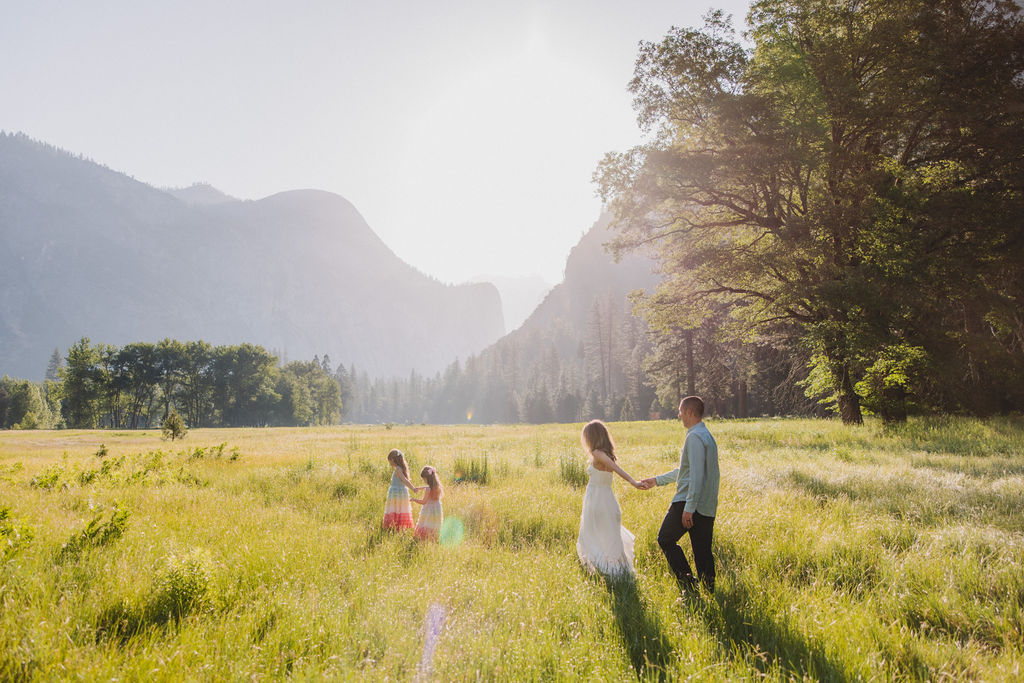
x,y
600,457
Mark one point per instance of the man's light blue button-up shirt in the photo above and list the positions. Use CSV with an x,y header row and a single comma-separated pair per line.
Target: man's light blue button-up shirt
x,y
696,477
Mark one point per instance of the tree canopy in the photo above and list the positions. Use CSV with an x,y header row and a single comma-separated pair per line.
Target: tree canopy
x,y
849,186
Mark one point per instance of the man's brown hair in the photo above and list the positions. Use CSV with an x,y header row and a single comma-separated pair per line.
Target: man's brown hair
x,y
694,404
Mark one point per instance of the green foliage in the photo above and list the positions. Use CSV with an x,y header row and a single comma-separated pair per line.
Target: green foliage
x,y
142,383
82,385
182,587
25,405
48,478
173,427
313,394
838,189
627,414
96,534
13,536
895,375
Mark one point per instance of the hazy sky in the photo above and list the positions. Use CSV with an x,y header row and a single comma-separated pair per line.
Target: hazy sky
x,y
466,132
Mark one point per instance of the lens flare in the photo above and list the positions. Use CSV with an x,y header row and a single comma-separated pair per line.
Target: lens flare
x,y
452,532
469,415
433,625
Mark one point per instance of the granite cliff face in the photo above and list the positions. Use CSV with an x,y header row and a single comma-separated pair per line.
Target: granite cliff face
x,y
87,251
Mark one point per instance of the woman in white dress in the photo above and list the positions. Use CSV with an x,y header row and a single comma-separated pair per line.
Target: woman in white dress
x,y
603,544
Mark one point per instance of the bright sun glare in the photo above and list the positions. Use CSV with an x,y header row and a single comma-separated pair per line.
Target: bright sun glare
x,y
492,148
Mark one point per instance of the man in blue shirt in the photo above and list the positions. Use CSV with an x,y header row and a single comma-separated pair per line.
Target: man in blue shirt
x,y
694,506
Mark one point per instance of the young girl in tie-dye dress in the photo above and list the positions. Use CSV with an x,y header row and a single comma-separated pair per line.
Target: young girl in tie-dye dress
x,y
397,509
429,525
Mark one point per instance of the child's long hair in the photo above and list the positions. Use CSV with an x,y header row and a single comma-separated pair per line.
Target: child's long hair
x,y
595,437
395,457
429,475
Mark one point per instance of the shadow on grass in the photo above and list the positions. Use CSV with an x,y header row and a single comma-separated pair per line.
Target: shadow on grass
x,y
920,503
750,632
648,648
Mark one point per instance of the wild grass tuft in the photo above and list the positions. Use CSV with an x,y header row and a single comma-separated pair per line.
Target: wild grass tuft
x,y
180,589
471,470
572,471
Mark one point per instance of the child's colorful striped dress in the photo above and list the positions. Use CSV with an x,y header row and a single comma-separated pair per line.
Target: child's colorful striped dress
x,y
397,509
428,527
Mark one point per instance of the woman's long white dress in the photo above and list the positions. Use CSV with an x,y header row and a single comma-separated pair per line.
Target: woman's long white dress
x,y
603,544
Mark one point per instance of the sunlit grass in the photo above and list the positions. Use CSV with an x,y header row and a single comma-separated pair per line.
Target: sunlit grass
x,y
844,553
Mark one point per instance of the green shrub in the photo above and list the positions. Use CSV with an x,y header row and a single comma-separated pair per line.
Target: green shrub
x,y
173,426
183,587
13,537
48,478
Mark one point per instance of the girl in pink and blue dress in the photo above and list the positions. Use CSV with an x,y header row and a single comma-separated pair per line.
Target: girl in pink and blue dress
x,y
397,509
428,527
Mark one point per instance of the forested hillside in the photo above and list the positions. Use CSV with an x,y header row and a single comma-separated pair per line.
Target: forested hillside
x,y
579,355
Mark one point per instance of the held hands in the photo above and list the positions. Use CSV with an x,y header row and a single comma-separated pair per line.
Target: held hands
x,y
648,483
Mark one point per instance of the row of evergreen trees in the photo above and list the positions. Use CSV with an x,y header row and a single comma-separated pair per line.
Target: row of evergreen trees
x,y
608,370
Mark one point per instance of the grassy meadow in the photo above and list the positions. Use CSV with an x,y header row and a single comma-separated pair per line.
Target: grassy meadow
x,y
843,553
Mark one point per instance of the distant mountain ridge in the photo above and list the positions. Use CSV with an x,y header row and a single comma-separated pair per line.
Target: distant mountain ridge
x,y
87,251
200,193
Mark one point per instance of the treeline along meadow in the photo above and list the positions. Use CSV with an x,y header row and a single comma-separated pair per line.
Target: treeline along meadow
x,y
139,384
537,376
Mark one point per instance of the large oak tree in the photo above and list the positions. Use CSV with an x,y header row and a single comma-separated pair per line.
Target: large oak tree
x,y
854,175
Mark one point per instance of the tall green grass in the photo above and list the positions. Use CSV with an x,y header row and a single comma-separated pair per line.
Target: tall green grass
x,y
872,553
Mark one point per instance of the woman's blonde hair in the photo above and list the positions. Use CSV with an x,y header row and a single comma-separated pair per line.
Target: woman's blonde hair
x,y
429,475
595,437
396,457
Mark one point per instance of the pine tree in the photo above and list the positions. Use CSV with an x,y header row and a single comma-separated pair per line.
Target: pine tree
x,y
173,426
53,368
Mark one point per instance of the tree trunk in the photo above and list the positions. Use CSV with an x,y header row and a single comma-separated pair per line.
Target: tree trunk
x,y
691,385
849,401
743,398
